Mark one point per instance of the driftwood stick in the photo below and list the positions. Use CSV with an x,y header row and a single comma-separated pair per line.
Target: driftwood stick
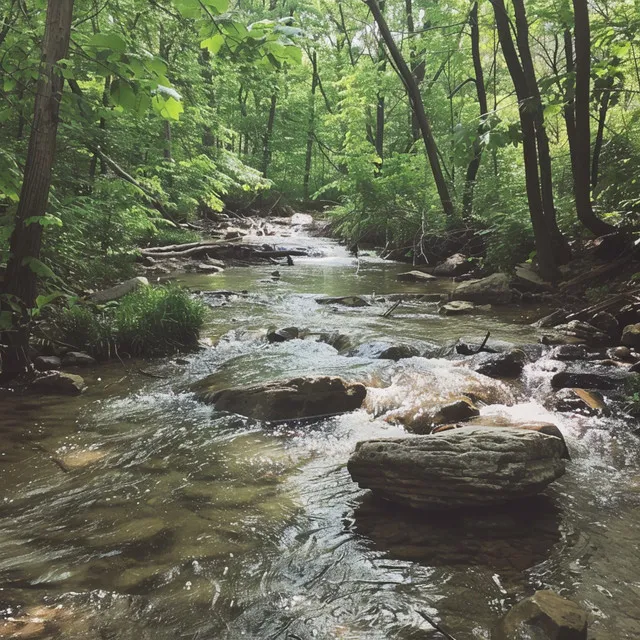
x,y
388,312
436,626
484,342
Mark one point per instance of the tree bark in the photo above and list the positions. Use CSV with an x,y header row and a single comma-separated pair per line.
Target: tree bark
x,y
561,249
417,104
474,165
266,141
541,232
20,282
582,174
310,127
569,110
603,110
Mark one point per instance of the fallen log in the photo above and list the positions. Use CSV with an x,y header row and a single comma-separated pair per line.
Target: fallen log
x,y
612,301
181,247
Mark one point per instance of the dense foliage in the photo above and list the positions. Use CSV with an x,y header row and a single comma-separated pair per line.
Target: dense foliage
x,y
175,109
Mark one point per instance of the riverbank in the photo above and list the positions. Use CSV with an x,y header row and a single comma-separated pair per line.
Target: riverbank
x,y
138,510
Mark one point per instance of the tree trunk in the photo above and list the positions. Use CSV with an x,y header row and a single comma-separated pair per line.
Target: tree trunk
x,y
417,104
266,141
542,235
20,282
582,174
310,127
569,109
605,100
166,151
474,165
561,249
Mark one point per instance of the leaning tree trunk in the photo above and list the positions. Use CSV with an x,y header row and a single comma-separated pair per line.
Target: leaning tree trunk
x,y
310,128
603,110
561,250
474,165
569,109
266,140
418,106
20,283
582,173
541,232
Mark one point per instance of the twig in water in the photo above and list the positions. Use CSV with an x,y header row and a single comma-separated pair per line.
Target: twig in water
x,y
484,342
388,312
436,626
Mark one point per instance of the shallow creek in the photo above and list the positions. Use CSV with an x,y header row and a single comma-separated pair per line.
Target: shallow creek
x,y
170,520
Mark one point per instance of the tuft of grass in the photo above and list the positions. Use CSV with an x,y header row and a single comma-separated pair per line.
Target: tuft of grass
x,y
158,320
151,321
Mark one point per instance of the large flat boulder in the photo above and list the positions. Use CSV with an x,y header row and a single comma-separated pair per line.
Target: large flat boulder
x,y
119,291
297,399
415,276
467,467
455,265
495,289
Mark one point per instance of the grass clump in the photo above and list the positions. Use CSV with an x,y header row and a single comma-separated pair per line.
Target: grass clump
x,y
158,320
151,321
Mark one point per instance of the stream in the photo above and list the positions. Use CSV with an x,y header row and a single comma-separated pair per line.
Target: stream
x,y
171,520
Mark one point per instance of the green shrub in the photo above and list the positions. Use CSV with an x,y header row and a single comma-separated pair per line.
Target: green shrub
x,y
84,327
151,321
157,320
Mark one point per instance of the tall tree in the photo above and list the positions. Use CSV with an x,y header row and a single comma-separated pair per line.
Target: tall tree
x,y
541,231
418,106
21,277
474,165
582,146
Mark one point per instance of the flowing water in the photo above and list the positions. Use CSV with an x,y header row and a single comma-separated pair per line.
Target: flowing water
x,y
135,512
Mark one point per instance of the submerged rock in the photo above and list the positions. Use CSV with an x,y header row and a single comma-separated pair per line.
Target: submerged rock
x,y
283,335
544,616
58,383
498,365
457,307
77,359
631,336
345,301
495,289
337,340
415,276
385,351
300,398
471,466
418,389
457,410
591,377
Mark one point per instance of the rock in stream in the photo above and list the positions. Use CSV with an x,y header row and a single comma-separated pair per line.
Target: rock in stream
x,y
467,467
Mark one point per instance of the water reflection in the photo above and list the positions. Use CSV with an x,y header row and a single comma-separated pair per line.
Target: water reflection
x,y
505,540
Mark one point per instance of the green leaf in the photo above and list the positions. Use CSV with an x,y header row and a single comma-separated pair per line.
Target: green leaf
x,y
44,221
6,320
107,41
123,95
43,301
38,267
219,6
214,43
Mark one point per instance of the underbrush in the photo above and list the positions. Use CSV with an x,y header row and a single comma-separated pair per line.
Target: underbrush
x,y
151,321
